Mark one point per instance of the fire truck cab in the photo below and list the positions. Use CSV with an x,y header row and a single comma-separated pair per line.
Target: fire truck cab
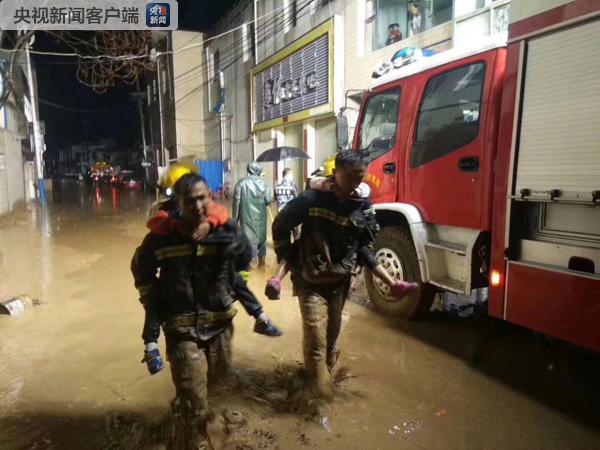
x,y
485,165
429,131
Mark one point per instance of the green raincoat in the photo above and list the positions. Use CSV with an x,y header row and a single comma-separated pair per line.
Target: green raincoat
x,y
251,198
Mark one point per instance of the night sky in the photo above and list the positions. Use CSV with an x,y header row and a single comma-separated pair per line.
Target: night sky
x,y
111,114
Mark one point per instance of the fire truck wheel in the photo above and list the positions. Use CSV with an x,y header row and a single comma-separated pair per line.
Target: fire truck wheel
x,y
395,250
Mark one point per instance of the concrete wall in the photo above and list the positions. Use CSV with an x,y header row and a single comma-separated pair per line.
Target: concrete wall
x,y
523,9
152,108
12,184
12,130
189,77
235,119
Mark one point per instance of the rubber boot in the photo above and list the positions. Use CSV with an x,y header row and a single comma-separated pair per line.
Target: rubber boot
x,y
332,357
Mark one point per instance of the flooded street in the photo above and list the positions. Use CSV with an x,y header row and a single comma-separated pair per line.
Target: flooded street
x,y
71,377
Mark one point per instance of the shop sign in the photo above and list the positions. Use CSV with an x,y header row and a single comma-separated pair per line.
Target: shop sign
x,y
295,83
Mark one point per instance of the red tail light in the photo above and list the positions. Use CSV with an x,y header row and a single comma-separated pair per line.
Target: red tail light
x,y
495,278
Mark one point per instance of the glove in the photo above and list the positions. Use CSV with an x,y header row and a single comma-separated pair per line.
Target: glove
x,y
153,360
402,288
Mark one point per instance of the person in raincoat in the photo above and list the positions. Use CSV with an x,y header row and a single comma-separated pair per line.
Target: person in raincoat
x,y
251,198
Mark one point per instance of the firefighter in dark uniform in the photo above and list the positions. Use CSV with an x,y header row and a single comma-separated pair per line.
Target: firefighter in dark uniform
x,y
338,229
192,299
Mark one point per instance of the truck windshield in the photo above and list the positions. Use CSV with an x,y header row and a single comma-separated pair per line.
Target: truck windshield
x,y
378,125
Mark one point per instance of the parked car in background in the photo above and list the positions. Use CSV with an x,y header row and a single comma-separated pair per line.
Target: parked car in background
x,y
128,180
101,172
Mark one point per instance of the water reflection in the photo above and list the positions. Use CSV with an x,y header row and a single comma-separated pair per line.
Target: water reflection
x,y
97,197
115,198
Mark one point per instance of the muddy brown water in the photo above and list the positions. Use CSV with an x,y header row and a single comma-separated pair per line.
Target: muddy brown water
x,y
71,377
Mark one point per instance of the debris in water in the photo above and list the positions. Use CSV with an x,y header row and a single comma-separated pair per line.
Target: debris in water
x,y
440,412
15,306
325,423
406,429
234,418
304,440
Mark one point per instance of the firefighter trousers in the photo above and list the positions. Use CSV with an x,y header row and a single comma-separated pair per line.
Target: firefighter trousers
x,y
195,364
321,321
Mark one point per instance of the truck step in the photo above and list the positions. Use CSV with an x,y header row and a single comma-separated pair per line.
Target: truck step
x,y
451,247
448,284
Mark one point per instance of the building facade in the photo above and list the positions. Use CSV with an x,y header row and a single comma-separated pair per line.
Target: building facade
x,y
280,71
177,122
17,172
160,105
229,59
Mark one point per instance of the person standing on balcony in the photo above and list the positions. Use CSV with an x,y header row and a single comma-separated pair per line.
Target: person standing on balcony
x,y
394,34
420,20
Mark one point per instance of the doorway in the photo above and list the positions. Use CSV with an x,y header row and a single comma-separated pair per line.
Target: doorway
x,y
294,137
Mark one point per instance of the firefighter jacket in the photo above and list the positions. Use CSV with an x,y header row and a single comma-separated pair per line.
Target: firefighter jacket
x,y
190,284
337,236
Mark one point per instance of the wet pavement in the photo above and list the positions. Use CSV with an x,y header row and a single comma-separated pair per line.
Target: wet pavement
x,y
71,377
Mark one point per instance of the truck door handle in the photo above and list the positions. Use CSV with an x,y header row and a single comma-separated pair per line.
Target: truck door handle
x,y
389,168
469,164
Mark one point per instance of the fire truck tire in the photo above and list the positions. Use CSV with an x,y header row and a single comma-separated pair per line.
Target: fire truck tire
x,y
395,250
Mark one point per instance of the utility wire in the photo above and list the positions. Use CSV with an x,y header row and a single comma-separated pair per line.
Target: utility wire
x,y
231,53
269,28
145,55
232,59
84,111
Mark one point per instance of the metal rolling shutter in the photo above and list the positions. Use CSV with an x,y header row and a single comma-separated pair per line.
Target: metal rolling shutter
x,y
560,133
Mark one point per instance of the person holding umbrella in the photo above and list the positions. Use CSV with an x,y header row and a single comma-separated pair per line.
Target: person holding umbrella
x,y
251,198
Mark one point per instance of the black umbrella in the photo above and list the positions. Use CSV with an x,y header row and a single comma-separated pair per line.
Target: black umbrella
x,y
281,154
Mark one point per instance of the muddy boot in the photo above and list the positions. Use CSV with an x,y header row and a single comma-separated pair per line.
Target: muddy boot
x,y
189,430
332,357
322,388
320,381
188,434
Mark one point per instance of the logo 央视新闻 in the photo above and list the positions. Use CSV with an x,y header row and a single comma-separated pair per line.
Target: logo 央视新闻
x,y
158,15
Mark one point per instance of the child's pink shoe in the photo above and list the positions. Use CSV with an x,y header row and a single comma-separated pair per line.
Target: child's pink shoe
x,y
273,289
402,288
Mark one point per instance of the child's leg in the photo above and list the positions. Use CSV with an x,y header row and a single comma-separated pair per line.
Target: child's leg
x,y
246,297
282,271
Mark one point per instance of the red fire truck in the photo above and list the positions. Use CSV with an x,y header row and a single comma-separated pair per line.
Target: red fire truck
x,y
485,171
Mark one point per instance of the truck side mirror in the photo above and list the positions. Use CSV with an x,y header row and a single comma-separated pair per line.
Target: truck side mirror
x,y
341,130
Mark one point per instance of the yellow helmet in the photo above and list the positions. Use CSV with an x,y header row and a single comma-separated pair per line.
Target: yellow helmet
x,y
328,166
174,172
